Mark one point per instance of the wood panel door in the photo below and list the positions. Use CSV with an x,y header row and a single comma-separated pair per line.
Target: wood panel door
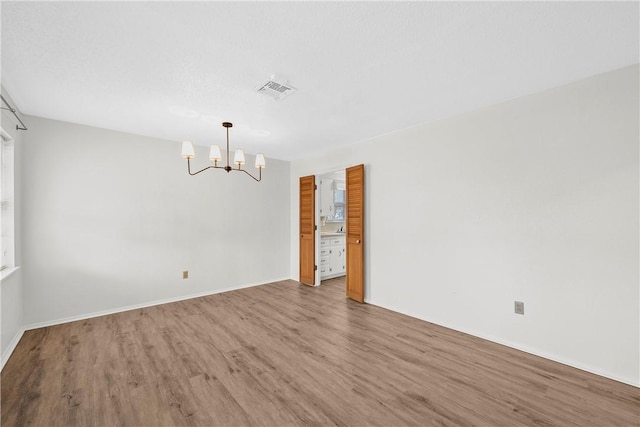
x,y
308,230
355,232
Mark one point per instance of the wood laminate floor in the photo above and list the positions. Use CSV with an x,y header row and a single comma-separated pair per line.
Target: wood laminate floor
x,y
285,354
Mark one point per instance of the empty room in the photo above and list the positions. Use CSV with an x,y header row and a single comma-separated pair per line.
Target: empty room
x,y
320,213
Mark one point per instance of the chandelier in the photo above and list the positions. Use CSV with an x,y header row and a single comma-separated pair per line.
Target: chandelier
x,y
215,156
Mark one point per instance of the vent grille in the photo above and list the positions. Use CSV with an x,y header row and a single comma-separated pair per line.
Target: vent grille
x,y
276,90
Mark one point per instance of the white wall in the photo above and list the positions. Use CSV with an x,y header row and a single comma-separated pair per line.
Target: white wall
x,y
112,219
11,292
535,200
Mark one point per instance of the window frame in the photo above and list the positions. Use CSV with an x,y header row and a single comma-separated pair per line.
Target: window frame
x,y
7,204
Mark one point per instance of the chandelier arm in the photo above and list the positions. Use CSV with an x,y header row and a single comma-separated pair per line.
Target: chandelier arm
x,y
201,170
257,179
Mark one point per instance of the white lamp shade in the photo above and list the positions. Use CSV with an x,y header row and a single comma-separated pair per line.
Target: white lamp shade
x,y
260,164
187,150
214,153
239,158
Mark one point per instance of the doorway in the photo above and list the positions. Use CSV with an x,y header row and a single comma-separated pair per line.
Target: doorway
x,y
332,229
331,212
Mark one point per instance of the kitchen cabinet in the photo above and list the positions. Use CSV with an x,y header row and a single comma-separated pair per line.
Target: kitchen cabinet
x,y
332,256
326,197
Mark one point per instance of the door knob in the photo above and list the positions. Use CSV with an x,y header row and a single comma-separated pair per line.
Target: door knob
x,y
358,242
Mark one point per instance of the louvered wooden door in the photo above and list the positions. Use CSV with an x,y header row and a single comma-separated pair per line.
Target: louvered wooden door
x,y
355,232
307,230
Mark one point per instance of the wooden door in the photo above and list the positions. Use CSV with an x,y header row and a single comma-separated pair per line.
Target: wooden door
x,y
308,230
355,232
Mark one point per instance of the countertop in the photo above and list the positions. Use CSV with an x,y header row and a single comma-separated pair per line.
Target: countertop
x,y
328,234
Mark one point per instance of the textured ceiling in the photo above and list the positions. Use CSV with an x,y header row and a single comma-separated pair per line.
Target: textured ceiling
x,y
175,70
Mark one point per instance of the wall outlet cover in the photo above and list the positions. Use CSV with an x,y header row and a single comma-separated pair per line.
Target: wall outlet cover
x,y
519,307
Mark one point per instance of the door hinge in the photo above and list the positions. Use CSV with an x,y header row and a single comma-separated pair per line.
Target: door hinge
x,y
315,227
315,187
315,268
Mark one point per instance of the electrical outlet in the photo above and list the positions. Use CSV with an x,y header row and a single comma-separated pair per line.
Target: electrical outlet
x,y
185,274
519,307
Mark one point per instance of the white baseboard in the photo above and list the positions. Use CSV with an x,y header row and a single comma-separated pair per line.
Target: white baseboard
x,y
12,346
142,305
534,352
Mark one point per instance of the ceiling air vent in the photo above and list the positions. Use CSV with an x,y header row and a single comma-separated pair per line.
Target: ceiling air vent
x,y
276,90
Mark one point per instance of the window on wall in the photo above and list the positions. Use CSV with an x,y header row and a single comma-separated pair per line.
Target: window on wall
x,y
7,243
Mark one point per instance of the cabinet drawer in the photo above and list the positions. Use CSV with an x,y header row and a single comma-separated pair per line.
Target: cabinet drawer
x,y
324,252
325,242
337,241
324,260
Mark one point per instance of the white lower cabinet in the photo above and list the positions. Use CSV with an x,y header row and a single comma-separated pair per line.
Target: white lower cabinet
x,y
332,257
